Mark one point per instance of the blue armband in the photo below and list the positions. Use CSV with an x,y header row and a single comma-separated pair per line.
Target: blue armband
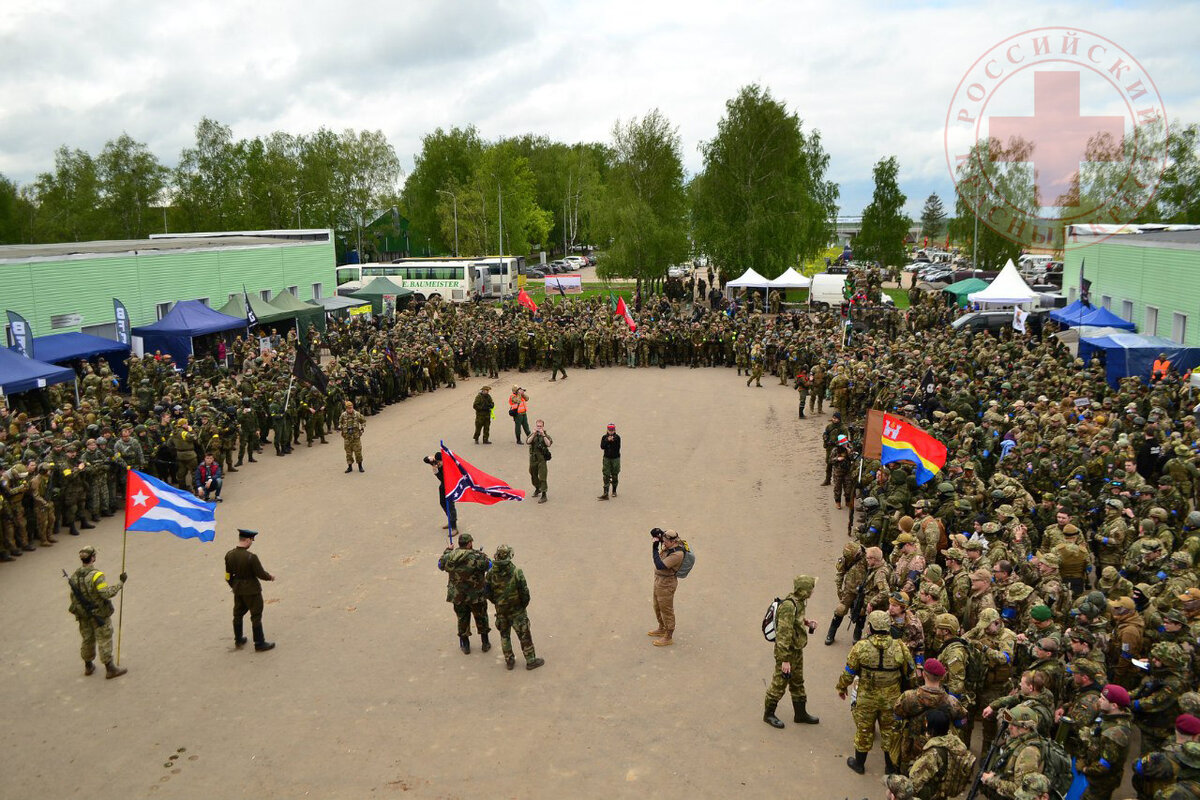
x,y
850,671
1103,540
1104,763
920,660
1137,705
1007,658
1137,766
1162,576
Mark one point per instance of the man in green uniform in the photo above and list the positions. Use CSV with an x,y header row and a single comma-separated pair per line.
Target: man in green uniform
x,y
244,573
1020,756
539,453
884,668
483,406
466,570
509,593
791,636
851,570
184,444
91,604
944,767
1106,745
351,426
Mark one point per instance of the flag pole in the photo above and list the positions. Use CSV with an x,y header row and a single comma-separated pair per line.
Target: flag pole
x,y
291,380
121,602
445,499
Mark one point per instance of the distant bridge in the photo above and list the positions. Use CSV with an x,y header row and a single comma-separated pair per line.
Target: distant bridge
x,y
849,227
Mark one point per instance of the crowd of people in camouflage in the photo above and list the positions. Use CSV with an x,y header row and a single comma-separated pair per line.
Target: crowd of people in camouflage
x,y
1042,588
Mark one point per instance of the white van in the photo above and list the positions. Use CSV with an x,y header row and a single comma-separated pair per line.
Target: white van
x,y
827,291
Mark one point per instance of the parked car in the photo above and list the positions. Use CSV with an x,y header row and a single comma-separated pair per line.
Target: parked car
x,y
534,273
980,321
679,271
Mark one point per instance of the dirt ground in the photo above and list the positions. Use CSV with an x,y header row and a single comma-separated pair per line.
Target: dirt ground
x,y
367,694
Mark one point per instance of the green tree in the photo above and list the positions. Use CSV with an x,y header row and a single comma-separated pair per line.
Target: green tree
x,y
502,187
131,181
884,224
10,212
933,218
447,162
644,209
68,199
996,194
762,199
367,171
208,191
1179,189
270,185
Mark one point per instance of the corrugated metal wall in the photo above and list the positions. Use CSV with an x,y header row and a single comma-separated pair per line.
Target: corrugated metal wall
x,y
1165,278
86,286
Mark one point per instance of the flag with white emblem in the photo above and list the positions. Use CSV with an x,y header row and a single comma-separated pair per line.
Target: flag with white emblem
x,y
152,506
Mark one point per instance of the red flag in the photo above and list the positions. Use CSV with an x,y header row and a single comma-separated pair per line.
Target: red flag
x,y
465,483
623,311
526,301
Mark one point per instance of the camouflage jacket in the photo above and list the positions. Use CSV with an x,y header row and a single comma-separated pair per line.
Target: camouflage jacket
x,y
506,587
467,575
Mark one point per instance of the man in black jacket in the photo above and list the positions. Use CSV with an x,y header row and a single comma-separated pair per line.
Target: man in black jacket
x,y
610,443
1150,455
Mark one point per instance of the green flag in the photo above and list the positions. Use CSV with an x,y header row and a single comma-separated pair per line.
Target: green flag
x,y
612,300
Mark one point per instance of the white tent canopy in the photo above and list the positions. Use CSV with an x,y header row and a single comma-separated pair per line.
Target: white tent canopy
x,y
790,280
1008,289
749,279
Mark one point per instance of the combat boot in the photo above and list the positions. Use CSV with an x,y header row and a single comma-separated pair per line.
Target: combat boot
x,y
113,671
509,662
603,496
537,662
769,715
858,627
4,556
487,644
239,637
83,523
542,499
614,489
89,668
73,530
252,459
239,462
360,467
665,640
802,716
464,644
833,628
260,640
232,469
888,767
349,468
857,761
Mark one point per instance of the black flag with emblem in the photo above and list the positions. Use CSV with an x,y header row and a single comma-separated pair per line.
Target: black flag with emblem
x,y
306,368
251,317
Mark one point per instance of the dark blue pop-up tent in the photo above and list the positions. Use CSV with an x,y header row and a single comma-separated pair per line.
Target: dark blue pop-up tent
x,y
173,333
1133,354
65,348
1096,316
20,374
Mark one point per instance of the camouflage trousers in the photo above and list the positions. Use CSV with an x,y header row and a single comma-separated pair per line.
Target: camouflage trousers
x,y
353,448
843,481
817,401
45,521
756,373
314,428
185,472
793,682
610,469
97,497
518,621
74,501
875,708
95,635
464,612
14,535
247,443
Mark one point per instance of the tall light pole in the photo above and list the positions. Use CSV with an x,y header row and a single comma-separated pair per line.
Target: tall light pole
x,y
298,199
500,218
454,200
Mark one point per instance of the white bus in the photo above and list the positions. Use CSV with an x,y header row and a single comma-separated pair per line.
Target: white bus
x,y
454,279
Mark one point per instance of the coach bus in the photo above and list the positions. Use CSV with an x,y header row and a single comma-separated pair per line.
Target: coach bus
x,y
455,279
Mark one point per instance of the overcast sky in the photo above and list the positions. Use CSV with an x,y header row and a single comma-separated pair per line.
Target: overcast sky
x,y
875,78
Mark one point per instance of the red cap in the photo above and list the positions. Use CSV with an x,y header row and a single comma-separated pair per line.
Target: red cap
x,y
1187,725
934,667
612,427
1117,695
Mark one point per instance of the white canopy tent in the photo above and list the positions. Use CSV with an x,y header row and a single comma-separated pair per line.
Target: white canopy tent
x,y
1008,289
791,280
749,280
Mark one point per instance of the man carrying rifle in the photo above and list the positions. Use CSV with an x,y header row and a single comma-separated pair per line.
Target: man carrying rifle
x,y
851,570
1012,755
91,604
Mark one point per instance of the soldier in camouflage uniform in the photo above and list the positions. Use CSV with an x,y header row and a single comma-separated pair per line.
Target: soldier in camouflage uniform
x,y
998,644
509,593
466,582
91,605
1106,745
915,705
351,425
1021,755
1156,699
883,667
791,637
851,570
944,766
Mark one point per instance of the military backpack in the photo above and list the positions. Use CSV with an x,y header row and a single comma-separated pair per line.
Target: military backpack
x,y
958,773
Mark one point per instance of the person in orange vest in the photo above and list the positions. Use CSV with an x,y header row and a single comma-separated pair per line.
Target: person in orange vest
x,y
1161,367
517,409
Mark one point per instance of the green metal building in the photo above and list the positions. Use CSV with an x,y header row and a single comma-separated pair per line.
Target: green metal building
x,y
61,288
1146,274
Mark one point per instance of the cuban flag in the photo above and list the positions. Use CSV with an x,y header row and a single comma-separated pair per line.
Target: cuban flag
x,y
152,506
903,441
465,483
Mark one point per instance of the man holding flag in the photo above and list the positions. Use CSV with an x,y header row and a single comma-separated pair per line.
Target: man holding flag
x,y
91,604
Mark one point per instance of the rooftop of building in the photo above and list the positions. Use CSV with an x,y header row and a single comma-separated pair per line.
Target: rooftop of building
x,y
162,243
1176,237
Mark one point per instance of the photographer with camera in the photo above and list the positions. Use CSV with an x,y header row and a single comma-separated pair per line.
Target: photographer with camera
x,y
519,411
539,453
447,506
667,552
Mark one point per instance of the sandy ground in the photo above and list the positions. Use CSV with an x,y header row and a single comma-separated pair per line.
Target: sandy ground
x,y
367,694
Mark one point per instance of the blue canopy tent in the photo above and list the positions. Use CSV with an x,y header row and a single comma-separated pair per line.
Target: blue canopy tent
x,y
188,319
20,374
1095,316
1069,315
65,348
1133,354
